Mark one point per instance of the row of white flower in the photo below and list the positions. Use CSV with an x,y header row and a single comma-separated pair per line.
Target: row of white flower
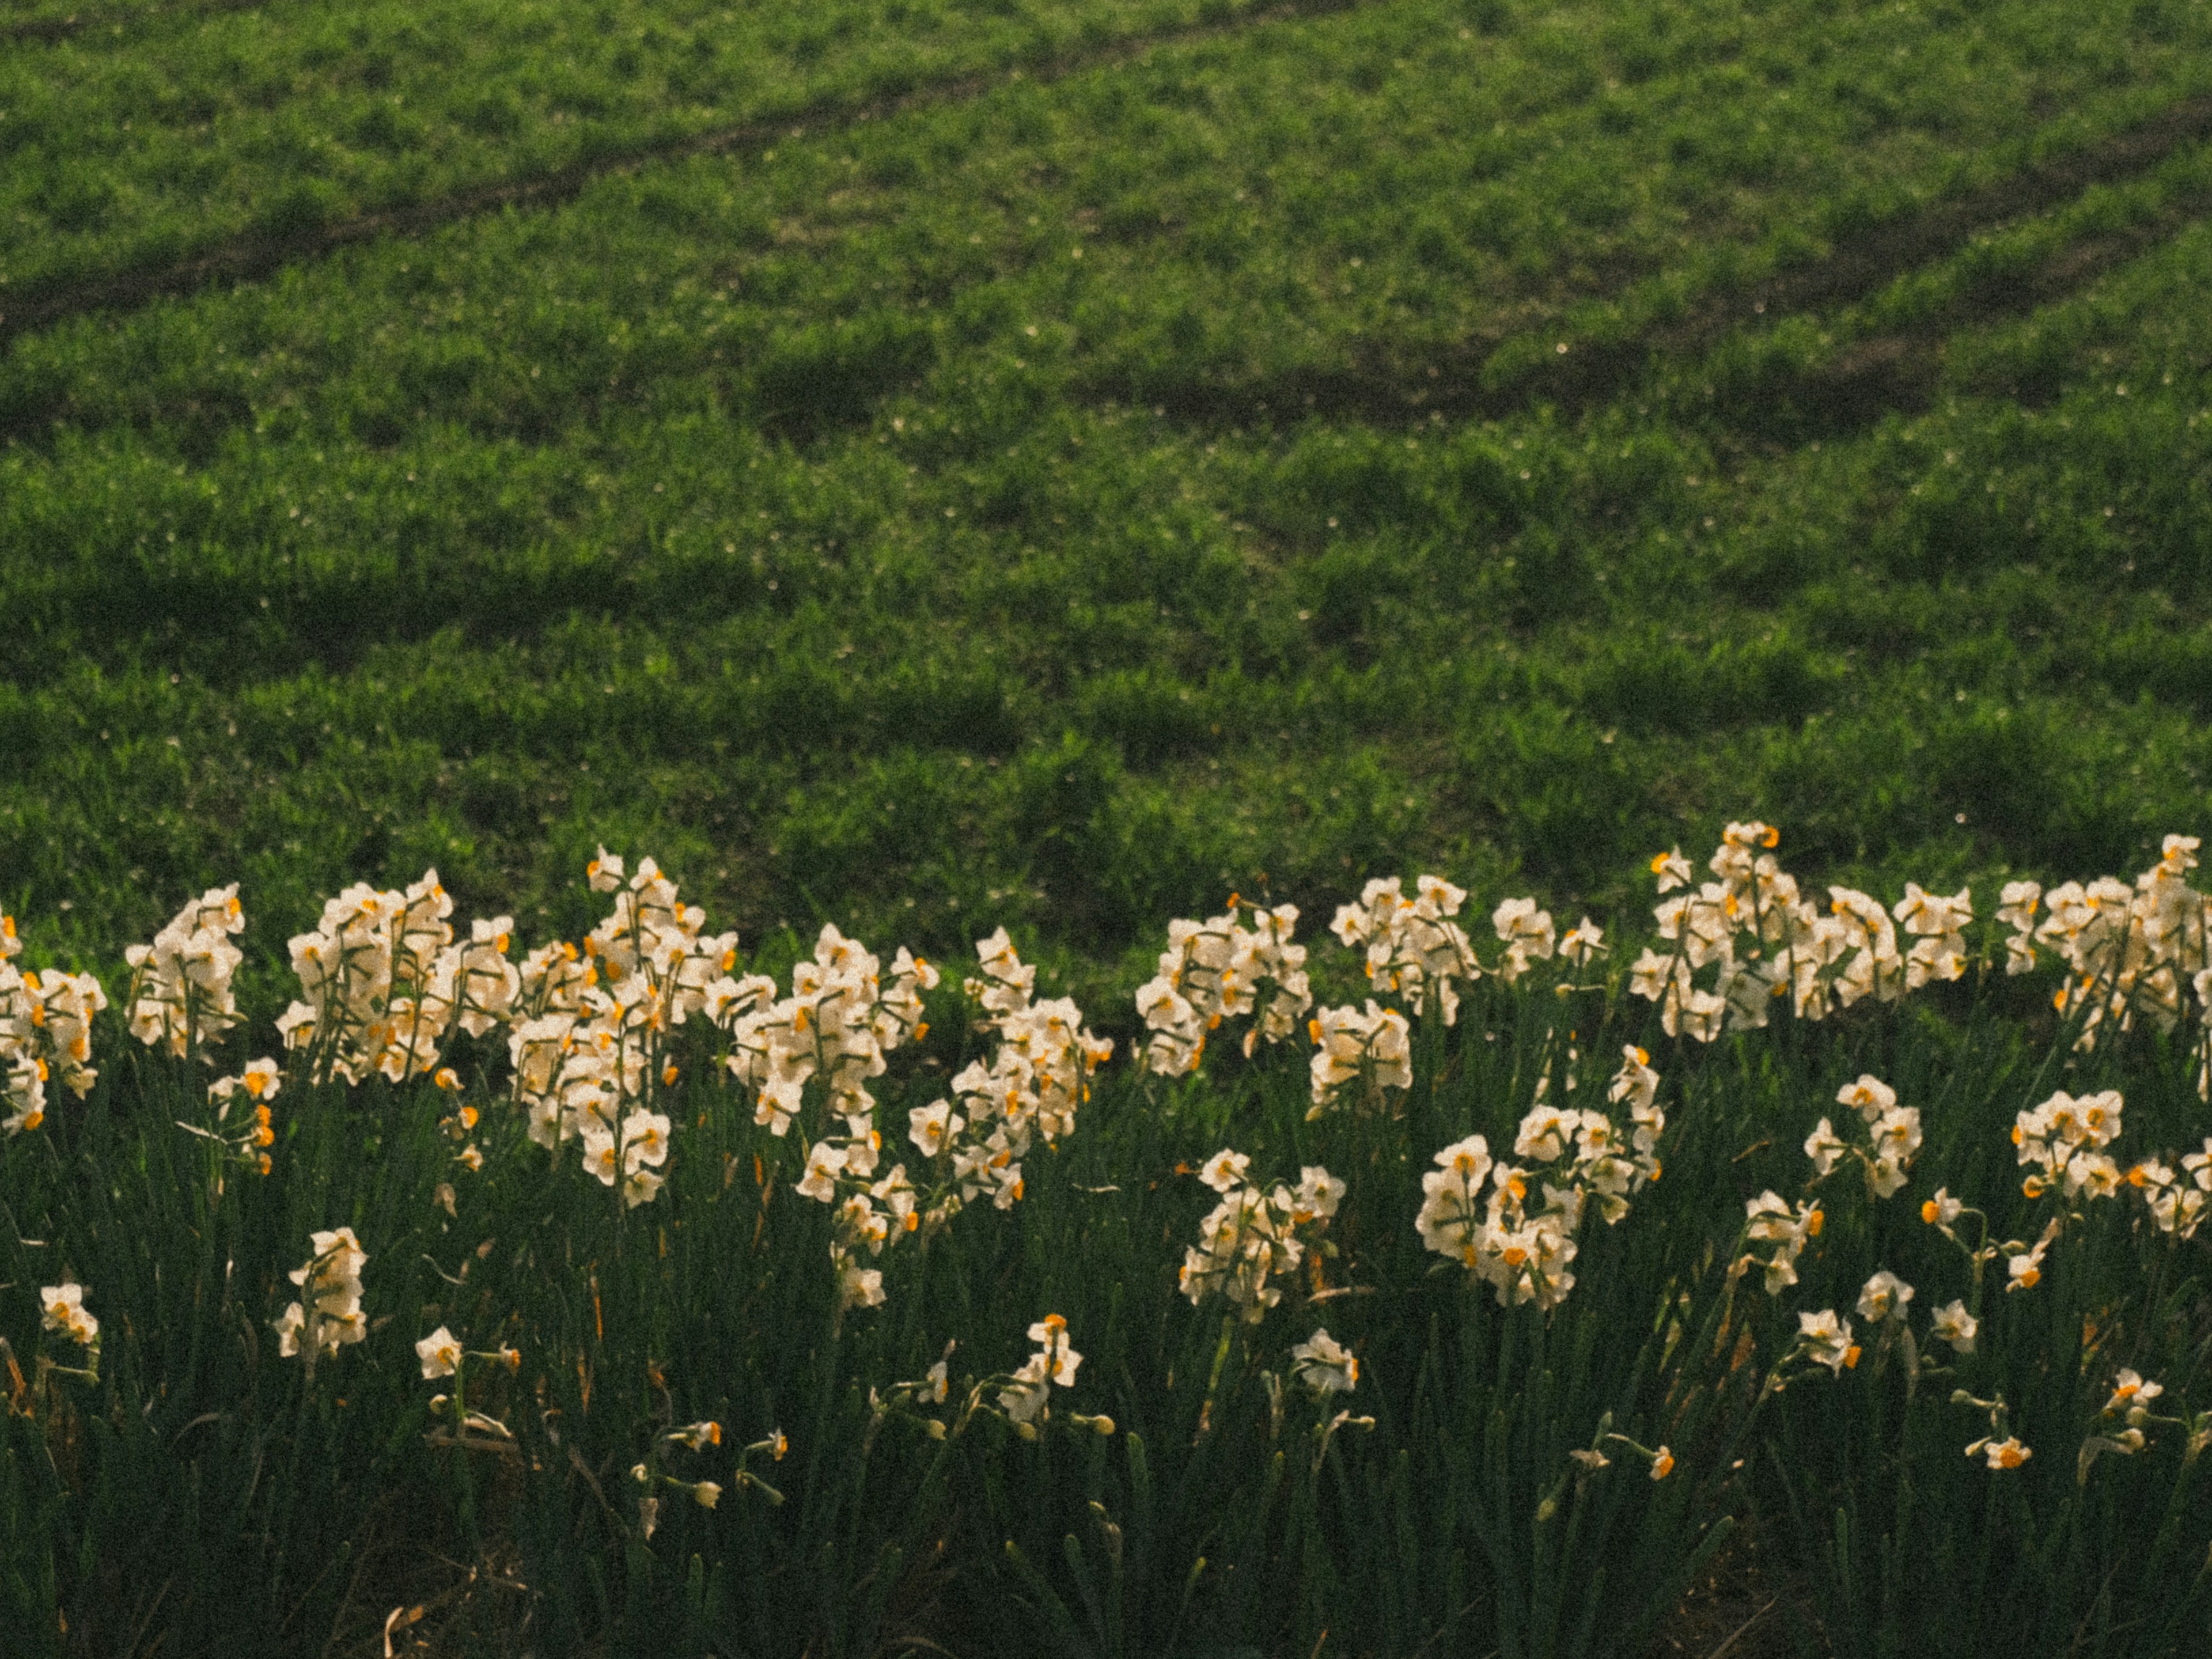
x,y
384,980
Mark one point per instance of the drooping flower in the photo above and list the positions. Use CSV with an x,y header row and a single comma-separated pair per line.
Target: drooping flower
x,y
1955,1326
2131,1392
1825,1338
1325,1365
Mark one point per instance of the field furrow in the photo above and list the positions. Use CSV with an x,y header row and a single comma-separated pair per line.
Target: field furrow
x,y
256,254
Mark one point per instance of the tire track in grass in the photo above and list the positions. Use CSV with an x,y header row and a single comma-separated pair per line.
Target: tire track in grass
x,y
1900,370
1509,372
254,256
48,31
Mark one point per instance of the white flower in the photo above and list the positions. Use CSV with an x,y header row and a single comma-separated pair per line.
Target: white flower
x,y
1955,1326
65,1312
1023,1399
823,1163
1318,1194
645,1141
1581,941
1824,1147
1826,1339
440,1353
933,1126
859,1286
1544,1132
2006,1454
601,1156
1870,1095
2131,1392
2024,1269
1325,1365
1056,1350
1225,1170
1885,1295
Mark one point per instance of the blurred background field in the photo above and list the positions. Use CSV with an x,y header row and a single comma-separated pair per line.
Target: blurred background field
x,y
928,466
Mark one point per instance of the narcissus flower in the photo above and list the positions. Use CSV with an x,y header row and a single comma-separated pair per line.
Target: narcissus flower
x,y
65,1312
1051,1333
2130,1392
1884,1294
1325,1365
1870,1095
1824,1147
1225,1170
2006,1454
1825,1338
440,1353
1955,1326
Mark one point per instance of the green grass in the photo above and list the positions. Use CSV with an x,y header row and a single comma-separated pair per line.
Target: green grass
x,y
735,506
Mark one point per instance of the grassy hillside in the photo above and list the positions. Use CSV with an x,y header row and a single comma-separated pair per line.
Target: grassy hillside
x,y
1507,438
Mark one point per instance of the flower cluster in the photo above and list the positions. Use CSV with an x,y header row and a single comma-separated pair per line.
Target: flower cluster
x,y
2127,950
1358,1054
250,1142
381,981
1785,1232
1024,1398
1219,969
1578,1157
181,984
589,1028
328,1315
2068,1137
1765,941
1892,1137
1033,1083
840,1021
1523,1258
1254,1235
45,1034
65,1312
1414,949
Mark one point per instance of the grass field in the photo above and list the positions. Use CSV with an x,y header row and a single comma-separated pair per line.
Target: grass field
x,y
925,467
